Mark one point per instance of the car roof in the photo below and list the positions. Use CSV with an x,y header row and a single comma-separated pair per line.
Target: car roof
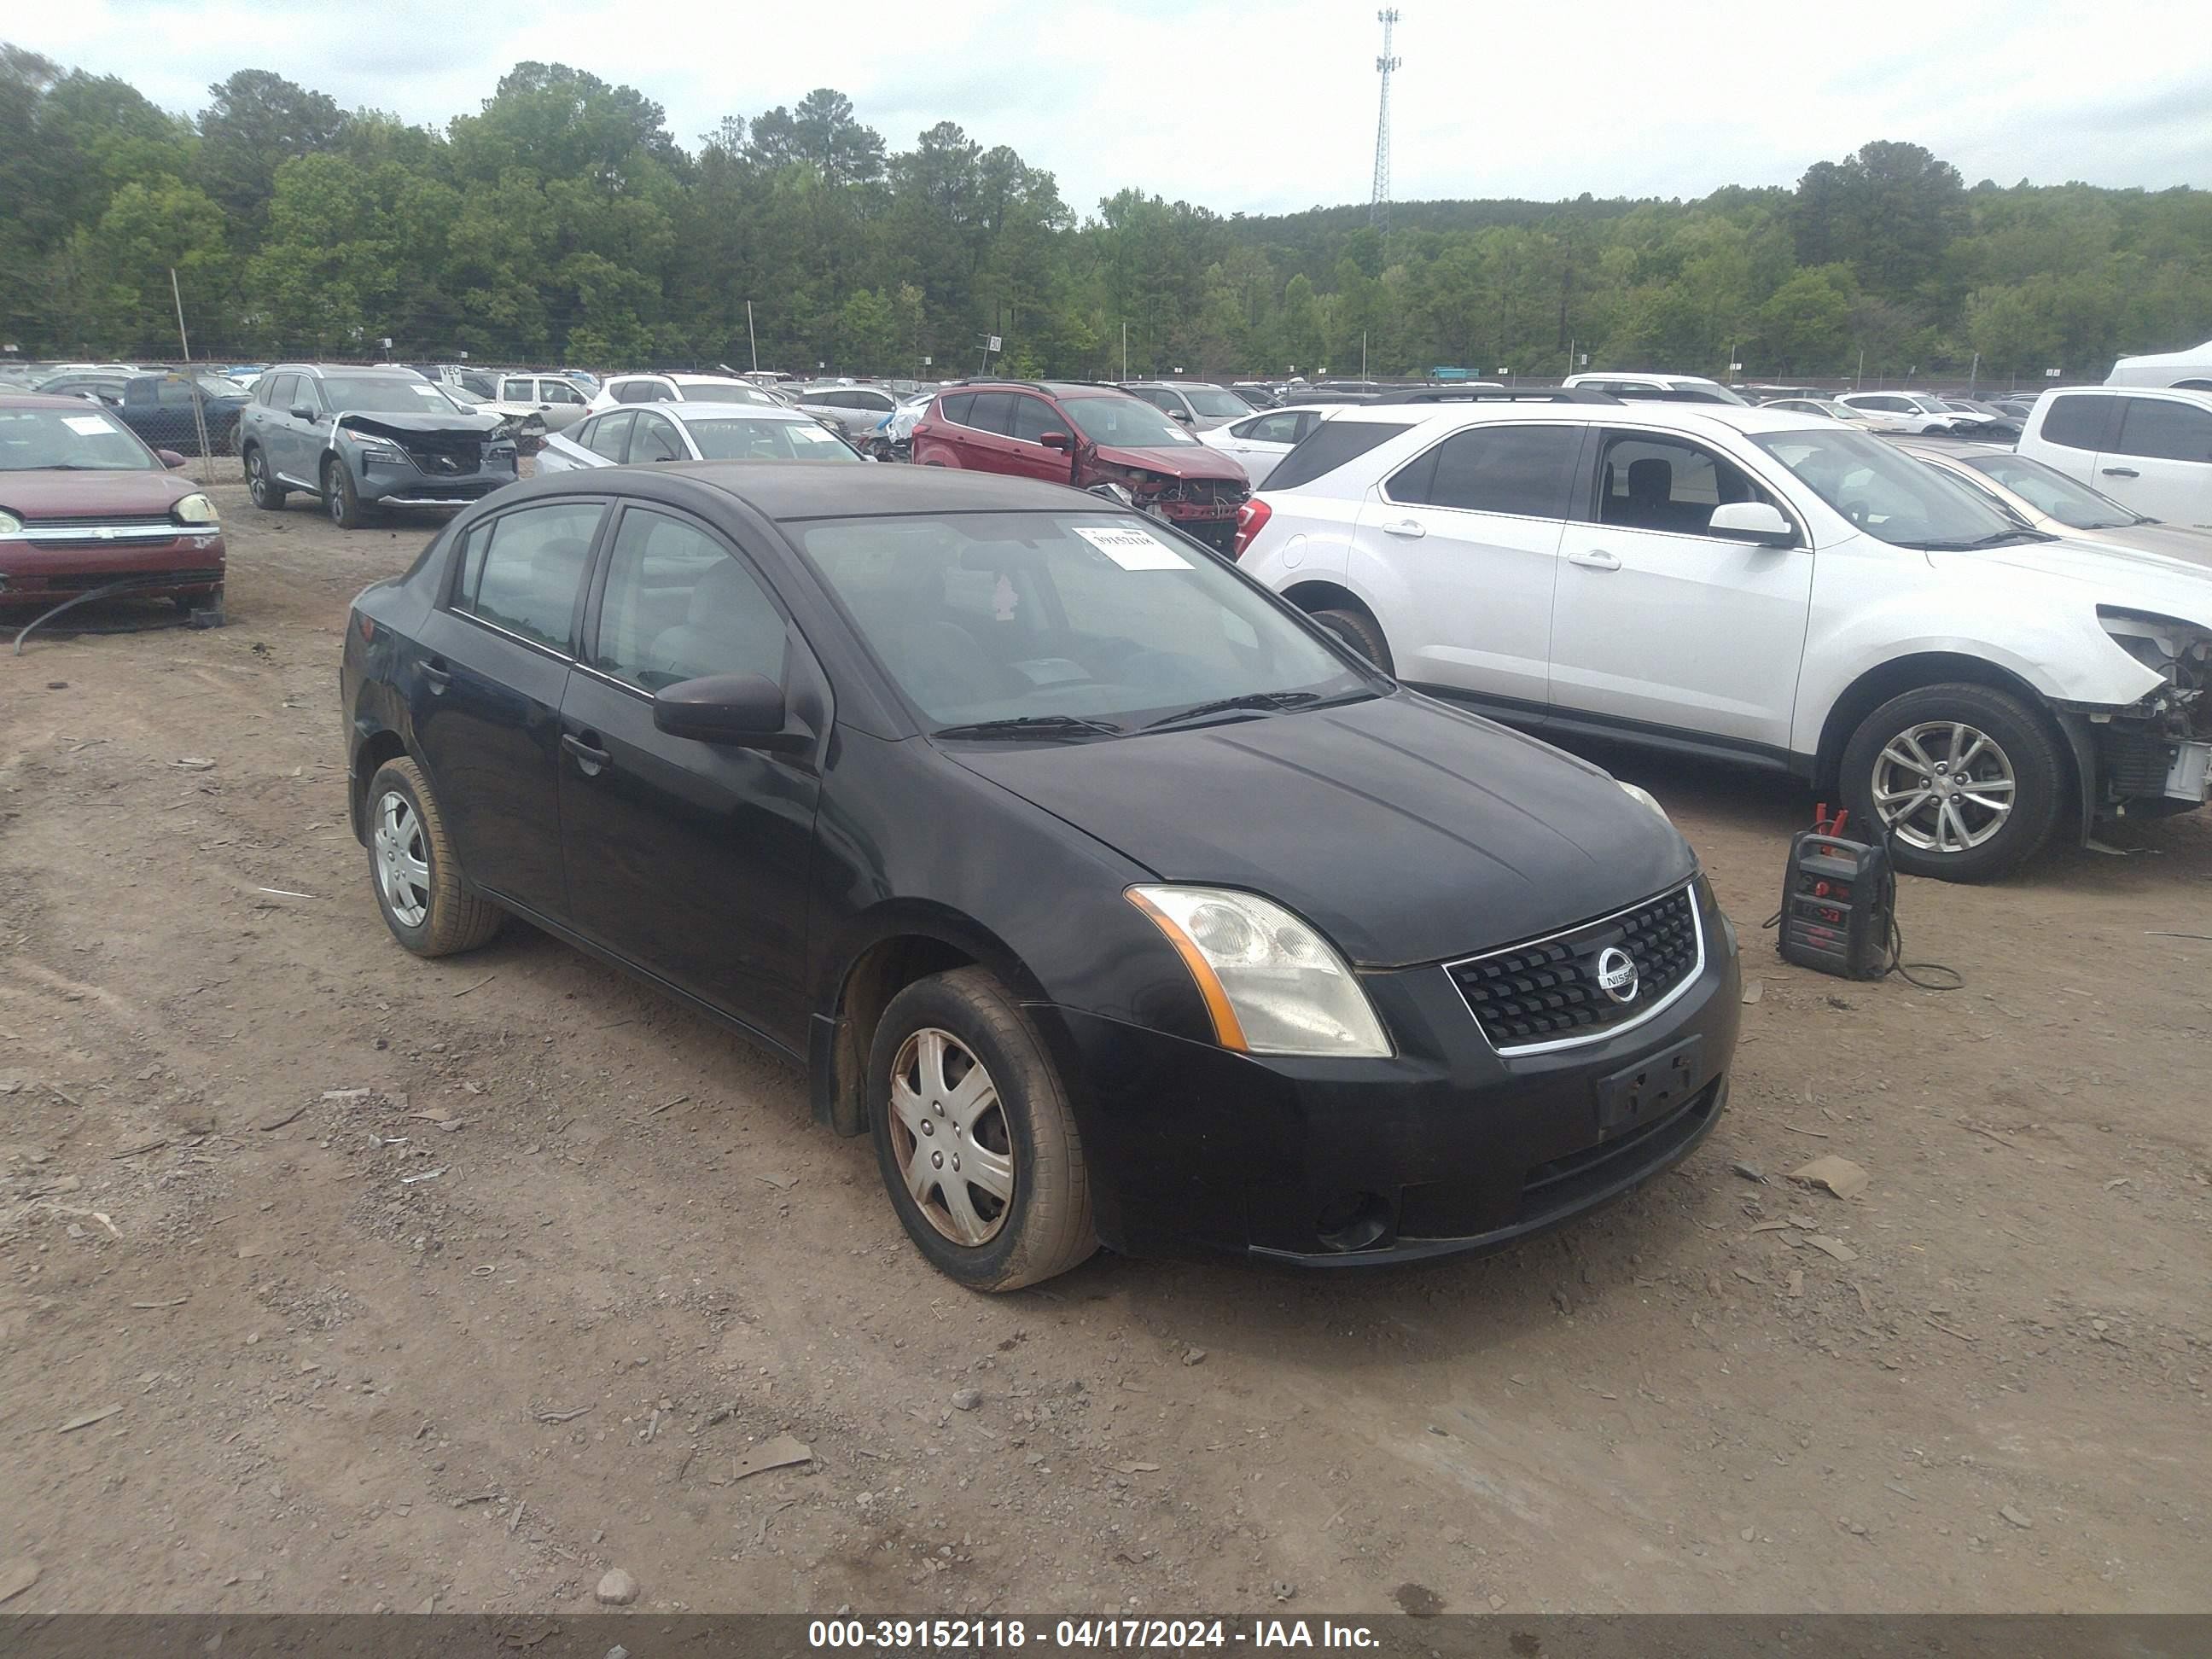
x,y
373,371
41,400
694,409
785,490
1688,417
1954,447
1051,388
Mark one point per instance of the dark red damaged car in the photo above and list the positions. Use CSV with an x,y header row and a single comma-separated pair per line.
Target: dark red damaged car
x,y
84,504
1095,437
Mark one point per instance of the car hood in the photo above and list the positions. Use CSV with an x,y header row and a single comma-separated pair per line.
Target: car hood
x,y
1197,461
2114,576
409,426
49,495
1406,830
2170,541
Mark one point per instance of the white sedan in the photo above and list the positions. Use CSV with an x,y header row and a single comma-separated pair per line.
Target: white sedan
x,y
1260,441
692,432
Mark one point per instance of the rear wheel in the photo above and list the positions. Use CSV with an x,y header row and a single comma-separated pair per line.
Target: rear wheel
x,y
974,1137
1360,631
1962,781
260,482
413,866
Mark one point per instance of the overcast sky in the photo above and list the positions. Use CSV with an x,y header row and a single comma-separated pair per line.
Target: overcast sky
x,y
1263,106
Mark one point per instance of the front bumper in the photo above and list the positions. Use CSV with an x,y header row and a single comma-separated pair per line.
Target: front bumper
x,y
1447,1147
185,562
401,484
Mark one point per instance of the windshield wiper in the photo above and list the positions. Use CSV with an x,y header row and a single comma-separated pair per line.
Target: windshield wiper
x,y
1995,540
1023,726
1260,700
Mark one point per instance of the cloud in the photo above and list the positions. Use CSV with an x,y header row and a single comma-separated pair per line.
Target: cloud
x,y
1262,107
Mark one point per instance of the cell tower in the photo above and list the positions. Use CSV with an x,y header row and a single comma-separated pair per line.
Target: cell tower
x,y
1378,205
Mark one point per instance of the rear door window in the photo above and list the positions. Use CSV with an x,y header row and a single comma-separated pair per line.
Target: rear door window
x,y
1328,447
522,571
993,411
1525,471
609,434
2076,422
2162,430
641,391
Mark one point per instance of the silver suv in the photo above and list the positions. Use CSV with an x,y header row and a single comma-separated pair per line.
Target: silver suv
x,y
1198,405
363,438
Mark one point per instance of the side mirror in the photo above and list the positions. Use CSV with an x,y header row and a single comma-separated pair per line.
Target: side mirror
x,y
302,414
743,711
1751,521
169,458
1053,440
1182,414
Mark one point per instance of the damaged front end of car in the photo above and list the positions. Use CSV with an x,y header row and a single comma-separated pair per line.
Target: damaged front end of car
x,y
419,461
1205,508
2153,755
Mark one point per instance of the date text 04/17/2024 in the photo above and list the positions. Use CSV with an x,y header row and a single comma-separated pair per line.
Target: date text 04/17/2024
x,y
1172,1635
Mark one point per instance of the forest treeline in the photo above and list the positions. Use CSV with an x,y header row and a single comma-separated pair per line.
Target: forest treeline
x,y
563,223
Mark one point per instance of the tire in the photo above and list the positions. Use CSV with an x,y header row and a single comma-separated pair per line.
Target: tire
x,y
340,499
1043,1227
2016,759
261,483
1358,630
437,916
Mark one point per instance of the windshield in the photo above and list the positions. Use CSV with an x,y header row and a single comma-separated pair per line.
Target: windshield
x,y
1094,616
1887,493
362,394
1209,400
737,439
33,439
722,391
2049,491
1125,424
1709,392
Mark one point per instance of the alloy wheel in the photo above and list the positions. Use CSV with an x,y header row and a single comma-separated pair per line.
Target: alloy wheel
x,y
257,477
1943,787
949,1133
403,867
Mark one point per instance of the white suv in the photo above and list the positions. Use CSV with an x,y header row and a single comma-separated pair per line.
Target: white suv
x,y
1911,411
2149,449
1762,586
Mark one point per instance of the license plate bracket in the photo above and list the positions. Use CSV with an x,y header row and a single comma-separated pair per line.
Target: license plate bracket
x,y
1655,1086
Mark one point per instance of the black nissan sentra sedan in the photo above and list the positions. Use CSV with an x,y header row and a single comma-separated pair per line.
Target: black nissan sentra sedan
x,y
1118,902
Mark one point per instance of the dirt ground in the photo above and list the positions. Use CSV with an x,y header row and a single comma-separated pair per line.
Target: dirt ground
x,y
394,1285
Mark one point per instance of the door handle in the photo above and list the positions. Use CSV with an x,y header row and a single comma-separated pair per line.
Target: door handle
x,y
1595,558
1411,529
589,760
2122,472
438,674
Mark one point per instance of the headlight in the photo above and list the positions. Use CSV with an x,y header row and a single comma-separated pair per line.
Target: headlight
x,y
9,524
1272,984
1646,798
195,509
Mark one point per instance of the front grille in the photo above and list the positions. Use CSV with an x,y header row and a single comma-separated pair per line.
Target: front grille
x,y
119,520
455,458
79,581
1546,991
1206,492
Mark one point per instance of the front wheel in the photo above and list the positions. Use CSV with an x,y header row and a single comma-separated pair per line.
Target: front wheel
x,y
1358,630
340,499
1962,781
974,1136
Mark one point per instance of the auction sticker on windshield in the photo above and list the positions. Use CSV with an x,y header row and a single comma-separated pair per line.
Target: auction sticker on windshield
x,y
92,426
1132,548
